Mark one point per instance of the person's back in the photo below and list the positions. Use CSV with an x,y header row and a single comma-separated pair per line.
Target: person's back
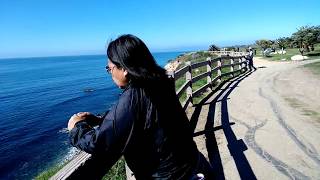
x,y
250,54
249,57
161,144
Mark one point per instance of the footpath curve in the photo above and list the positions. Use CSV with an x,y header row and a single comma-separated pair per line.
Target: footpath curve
x,y
263,124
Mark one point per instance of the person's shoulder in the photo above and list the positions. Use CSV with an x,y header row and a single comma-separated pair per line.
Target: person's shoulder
x,y
130,97
132,92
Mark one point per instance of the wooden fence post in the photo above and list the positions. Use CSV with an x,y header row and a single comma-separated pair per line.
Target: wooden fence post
x,y
189,78
209,71
244,60
219,64
231,67
171,75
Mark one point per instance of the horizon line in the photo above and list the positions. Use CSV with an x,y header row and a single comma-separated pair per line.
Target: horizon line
x,y
73,55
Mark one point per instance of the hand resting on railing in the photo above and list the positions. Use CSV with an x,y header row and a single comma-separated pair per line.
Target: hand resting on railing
x,y
91,119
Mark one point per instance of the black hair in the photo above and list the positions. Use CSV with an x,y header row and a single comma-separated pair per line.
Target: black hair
x,y
130,53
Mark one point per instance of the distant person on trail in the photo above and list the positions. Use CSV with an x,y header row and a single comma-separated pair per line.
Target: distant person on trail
x,y
147,125
249,57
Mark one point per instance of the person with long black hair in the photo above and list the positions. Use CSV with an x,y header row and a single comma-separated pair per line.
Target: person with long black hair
x,y
147,125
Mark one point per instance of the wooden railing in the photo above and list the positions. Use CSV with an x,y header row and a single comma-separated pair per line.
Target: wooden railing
x,y
77,166
235,63
227,53
72,167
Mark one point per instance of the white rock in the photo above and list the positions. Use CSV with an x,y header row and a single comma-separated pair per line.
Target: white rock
x,y
298,58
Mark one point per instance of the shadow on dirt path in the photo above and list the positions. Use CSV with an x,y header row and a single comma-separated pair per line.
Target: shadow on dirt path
x,y
236,147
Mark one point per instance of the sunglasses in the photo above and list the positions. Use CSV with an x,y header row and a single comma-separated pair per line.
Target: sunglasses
x,y
109,70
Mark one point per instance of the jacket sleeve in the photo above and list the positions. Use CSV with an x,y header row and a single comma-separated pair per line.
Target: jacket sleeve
x,y
113,134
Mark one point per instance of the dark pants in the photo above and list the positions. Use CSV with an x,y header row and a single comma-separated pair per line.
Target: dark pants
x,y
250,63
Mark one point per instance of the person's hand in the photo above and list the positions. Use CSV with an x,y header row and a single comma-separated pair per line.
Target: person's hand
x,y
76,118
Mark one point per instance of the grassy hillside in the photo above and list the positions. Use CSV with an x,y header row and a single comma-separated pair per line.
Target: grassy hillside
x,y
194,58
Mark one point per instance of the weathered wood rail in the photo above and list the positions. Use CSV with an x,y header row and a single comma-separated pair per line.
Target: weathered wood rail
x,y
214,74
236,64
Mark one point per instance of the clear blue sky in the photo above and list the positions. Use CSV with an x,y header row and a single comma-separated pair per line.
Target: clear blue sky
x,y
71,27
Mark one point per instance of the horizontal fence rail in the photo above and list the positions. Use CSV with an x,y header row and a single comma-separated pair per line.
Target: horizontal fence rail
x,y
234,61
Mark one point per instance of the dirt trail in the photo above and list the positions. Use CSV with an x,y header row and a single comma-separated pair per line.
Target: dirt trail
x,y
264,124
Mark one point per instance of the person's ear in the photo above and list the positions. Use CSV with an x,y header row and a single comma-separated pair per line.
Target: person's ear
x,y
125,73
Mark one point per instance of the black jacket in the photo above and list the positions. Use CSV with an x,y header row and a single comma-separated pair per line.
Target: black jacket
x,y
149,127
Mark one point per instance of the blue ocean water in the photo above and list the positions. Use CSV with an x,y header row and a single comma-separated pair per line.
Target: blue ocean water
x,y
37,97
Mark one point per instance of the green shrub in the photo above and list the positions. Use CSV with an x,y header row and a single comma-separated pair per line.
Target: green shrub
x,y
49,173
117,172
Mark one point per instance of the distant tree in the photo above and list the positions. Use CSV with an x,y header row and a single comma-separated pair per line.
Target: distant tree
x,y
306,37
264,43
281,42
213,48
289,42
274,45
230,48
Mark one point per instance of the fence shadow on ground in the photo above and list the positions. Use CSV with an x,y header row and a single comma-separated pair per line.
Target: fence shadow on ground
x,y
313,54
236,147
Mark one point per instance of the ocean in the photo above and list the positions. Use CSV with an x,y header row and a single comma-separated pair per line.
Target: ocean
x,y
38,96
